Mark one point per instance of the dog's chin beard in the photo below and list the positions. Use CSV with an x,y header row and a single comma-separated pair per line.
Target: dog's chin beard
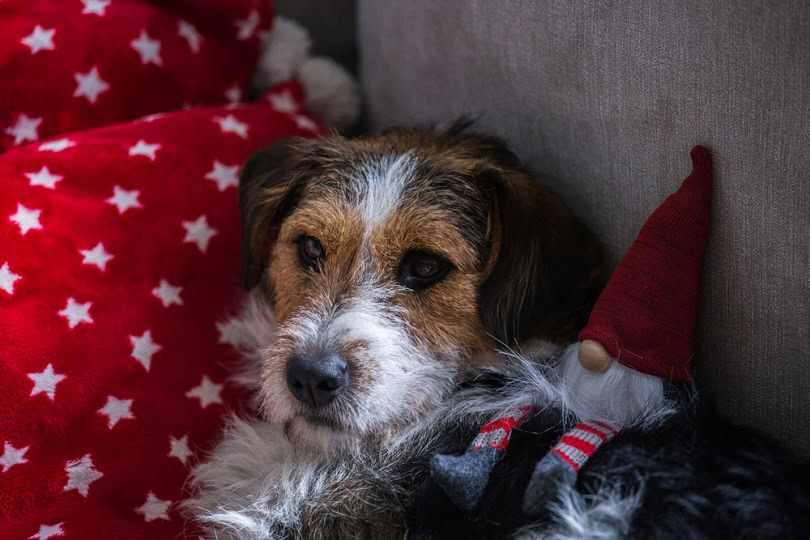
x,y
320,434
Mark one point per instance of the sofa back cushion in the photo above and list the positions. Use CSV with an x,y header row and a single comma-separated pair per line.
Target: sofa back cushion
x,y
603,102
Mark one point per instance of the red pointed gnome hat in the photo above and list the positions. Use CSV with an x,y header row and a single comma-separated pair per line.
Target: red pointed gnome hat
x,y
645,317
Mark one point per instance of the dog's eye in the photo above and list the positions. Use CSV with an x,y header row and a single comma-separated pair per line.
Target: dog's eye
x,y
419,270
311,252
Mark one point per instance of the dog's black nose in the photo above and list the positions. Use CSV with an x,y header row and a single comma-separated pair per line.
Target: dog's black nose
x,y
316,380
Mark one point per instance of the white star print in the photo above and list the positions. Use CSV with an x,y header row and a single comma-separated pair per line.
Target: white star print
x,y
26,219
116,409
230,124
143,348
246,27
283,102
14,456
95,7
76,313
187,31
141,148
90,85
39,40
47,531
180,449
198,232
153,117
229,332
304,122
7,278
124,199
233,94
225,176
147,48
25,129
56,146
207,392
46,381
97,256
168,294
154,508
81,474
44,178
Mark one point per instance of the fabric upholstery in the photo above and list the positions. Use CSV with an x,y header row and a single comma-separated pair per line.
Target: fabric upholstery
x,y
603,101
119,262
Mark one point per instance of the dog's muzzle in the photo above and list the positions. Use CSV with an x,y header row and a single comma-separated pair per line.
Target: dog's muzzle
x,y
316,380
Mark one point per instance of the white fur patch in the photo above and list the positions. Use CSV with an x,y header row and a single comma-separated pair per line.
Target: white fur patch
x,y
604,516
380,185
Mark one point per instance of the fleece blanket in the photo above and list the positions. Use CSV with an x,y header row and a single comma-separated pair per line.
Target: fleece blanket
x,y
76,64
119,258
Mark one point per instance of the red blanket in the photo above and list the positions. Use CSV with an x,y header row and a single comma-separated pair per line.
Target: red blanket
x,y
119,256
77,64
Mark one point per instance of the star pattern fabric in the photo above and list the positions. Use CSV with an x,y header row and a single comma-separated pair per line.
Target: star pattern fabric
x,y
142,148
45,382
24,129
44,178
113,312
12,456
39,40
7,278
48,531
207,392
154,508
180,449
68,66
56,146
97,256
124,199
199,232
143,348
26,219
224,175
116,410
168,294
81,473
147,48
230,124
89,85
76,313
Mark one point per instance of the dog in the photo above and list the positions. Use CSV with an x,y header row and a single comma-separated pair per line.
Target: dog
x,y
381,271
400,290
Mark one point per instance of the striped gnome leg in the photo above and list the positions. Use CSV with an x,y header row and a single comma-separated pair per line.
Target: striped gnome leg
x,y
464,478
561,465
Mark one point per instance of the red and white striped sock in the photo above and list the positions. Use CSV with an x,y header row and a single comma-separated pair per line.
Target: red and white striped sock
x,y
562,463
498,432
580,442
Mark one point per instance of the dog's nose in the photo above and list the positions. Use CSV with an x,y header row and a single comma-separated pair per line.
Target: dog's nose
x,y
316,380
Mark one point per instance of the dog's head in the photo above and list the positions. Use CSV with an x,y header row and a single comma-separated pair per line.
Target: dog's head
x,y
393,263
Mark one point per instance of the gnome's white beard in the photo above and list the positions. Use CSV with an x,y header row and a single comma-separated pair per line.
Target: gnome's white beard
x,y
618,396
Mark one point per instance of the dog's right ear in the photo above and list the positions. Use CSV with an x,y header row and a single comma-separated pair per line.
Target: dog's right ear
x,y
269,188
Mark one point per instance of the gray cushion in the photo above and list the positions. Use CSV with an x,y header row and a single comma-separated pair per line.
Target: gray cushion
x,y
604,100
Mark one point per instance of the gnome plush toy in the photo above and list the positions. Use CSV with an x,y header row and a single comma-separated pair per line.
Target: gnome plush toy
x,y
639,334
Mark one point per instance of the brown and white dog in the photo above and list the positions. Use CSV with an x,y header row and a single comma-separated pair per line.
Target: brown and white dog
x,y
381,270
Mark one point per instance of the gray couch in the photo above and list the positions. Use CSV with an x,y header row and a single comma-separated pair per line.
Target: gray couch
x,y
604,100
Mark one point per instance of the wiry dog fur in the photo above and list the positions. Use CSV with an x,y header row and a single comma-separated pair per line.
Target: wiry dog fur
x,y
429,365
516,264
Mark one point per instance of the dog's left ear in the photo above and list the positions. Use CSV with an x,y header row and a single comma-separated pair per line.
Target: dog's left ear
x,y
544,265
269,187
